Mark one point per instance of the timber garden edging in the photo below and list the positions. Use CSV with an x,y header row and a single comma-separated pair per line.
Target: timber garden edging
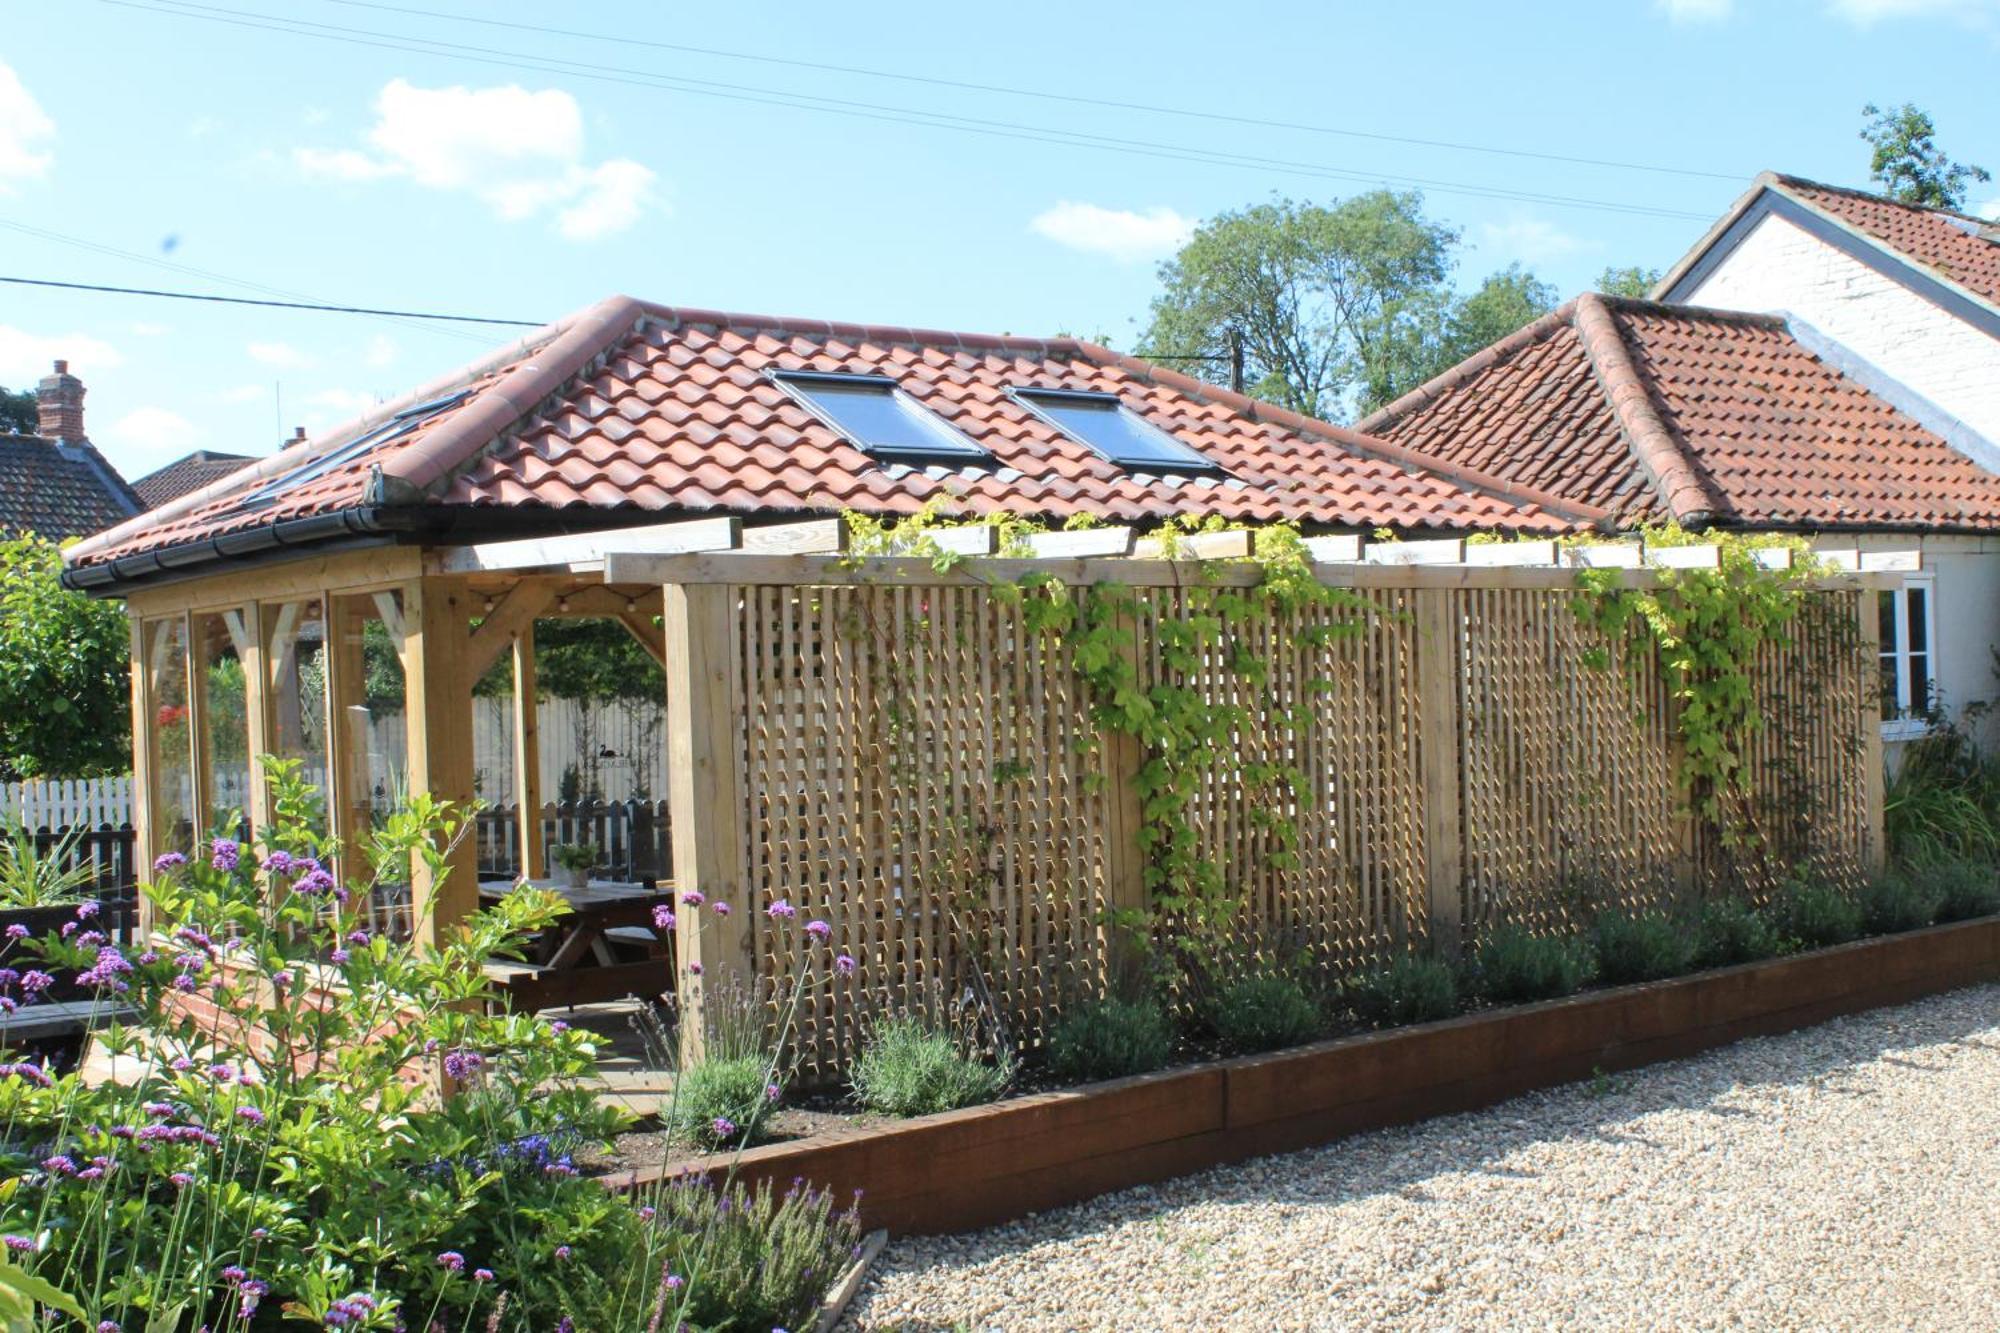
x,y
990,1164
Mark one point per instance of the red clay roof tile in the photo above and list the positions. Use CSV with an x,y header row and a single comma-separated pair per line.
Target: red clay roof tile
x,y
1949,244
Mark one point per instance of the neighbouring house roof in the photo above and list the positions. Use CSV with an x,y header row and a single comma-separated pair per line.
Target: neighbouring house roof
x,y
629,411
1952,257
1660,412
198,469
57,489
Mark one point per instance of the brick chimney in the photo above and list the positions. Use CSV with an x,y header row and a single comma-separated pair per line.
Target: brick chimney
x,y
59,406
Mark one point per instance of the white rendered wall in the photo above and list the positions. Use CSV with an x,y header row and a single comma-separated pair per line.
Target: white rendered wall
x,y
1781,267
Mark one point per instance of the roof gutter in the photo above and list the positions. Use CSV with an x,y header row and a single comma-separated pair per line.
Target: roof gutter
x,y
115,577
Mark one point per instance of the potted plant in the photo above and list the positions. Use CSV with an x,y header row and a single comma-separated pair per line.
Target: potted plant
x,y
576,859
41,889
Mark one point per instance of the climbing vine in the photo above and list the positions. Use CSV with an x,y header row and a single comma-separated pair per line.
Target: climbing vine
x,y
1708,627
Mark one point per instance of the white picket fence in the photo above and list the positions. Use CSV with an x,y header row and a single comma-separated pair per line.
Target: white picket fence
x,y
72,803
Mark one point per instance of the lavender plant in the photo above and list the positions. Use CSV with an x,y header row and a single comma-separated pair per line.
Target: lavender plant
x,y
308,1119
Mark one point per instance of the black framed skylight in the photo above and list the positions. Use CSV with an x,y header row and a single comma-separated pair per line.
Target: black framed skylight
x,y
872,414
1106,427
382,432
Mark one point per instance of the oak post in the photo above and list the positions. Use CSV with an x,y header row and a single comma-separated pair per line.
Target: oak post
x,y
1126,892
528,754
1874,846
440,745
705,796
1439,672
143,850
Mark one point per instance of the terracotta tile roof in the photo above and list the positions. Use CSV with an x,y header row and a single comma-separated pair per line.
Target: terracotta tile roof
x,y
59,490
1949,244
177,478
1658,411
643,410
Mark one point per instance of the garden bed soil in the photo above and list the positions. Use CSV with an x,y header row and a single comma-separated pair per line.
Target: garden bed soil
x,y
990,1164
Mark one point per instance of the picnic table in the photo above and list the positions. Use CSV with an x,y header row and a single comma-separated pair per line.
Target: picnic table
x,y
576,960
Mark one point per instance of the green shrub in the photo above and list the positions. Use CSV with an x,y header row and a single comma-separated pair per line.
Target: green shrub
x,y
1110,1039
756,1260
1644,946
1731,931
722,1101
1814,914
1263,1012
1898,901
1967,888
911,1068
1516,966
1415,989
1943,800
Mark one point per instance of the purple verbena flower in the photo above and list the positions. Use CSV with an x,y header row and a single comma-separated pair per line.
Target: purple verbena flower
x,y
168,861
663,917
693,898
451,1261
461,1065
482,1275
339,957
224,853
723,1126
20,1244
819,930
562,1251
719,908
85,911
17,931
844,964
250,1115
34,981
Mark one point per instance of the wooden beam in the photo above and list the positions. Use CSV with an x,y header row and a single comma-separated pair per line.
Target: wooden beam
x,y
651,637
1840,561
1342,549
1891,562
1875,850
144,845
346,753
353,571
1235,544
248,633
1508,555
1082,542
1684,557
973,539
528,755
701,534
439,737
1445,551
495,633
1773,557
820,536
390,611
1605,555
1438,674
706,797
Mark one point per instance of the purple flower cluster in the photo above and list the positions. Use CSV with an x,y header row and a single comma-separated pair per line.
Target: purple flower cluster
x,y
351,1310
663,917
224,854
108,972
168,861
461,1065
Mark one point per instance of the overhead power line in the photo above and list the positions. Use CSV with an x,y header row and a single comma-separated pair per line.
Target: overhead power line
x,y
863,110
282,305
1039,94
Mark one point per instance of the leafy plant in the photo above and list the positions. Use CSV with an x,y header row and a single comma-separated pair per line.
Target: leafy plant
x,y
1817,914
1264,1011
1943,799
1966,888
575,855
1731,931
1902,899
65,700
723,1101
754,1260
1644,946
1412,989
30,877
1516,966
1110,1038
909,1067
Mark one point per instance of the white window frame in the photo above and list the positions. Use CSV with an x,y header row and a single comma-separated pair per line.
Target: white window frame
x,y
1909,728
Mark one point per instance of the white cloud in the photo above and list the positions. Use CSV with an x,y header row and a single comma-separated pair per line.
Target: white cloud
x,y
1867,13
382,351
26,357
152,431
1530,240
282,355
24,126
242,393
1124,235
1697,11
1990,209
519,152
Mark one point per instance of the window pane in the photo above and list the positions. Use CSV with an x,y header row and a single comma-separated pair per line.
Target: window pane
x,y
876,418
170,744
1920,620
1920,684
1118,435
368,705
1885,619
225,723
296,656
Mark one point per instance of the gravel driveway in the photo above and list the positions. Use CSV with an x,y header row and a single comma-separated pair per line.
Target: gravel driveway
x,y
1847,1176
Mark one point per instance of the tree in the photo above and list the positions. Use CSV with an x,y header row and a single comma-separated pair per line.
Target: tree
x,y
1339,308
18,414
1908,164
1630,281
65,696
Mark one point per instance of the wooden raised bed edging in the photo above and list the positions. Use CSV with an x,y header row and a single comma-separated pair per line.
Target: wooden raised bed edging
x,y
991,1164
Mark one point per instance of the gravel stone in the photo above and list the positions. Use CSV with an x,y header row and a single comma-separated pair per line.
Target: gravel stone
x,y
1842,1177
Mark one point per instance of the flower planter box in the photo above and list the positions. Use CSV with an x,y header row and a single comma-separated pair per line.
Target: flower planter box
x,y
991,1164
113,918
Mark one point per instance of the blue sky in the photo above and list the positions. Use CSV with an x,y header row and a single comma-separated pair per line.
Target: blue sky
x,y
555,170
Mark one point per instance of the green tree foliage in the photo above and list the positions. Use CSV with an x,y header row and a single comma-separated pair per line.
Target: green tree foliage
x,y
1907,163
1632,281
1340,308
18,415
587,659
65,700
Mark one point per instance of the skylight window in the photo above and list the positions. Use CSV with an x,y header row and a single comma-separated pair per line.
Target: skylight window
x,y
877,417
394,427
1102,424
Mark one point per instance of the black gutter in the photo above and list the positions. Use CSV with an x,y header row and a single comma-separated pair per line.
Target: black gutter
x,y
116,576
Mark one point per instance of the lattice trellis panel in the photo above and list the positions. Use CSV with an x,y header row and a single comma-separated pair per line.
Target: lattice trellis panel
x,y
1565,769
918,777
